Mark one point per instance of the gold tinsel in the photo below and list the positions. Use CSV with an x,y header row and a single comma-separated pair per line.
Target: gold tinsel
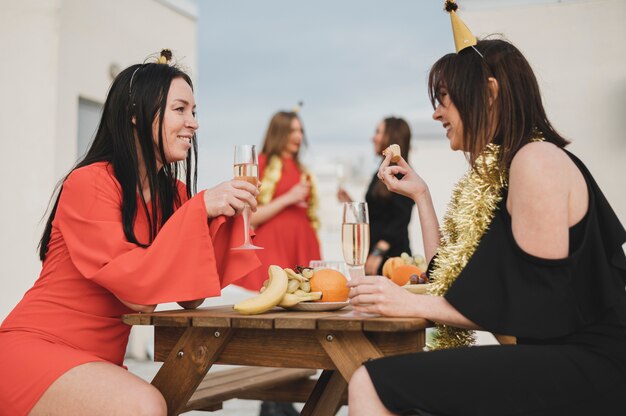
x,y
470,211
271,176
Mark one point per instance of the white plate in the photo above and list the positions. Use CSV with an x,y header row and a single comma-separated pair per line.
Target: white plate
x,y
318,306
420,289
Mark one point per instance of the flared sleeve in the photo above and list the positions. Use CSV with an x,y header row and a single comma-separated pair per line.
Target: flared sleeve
x,y
508,291
190,258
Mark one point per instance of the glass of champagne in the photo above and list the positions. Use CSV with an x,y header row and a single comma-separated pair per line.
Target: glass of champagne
x,y
246,168
355,237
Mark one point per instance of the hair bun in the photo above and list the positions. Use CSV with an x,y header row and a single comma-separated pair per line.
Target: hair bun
x,y
165,57
451,6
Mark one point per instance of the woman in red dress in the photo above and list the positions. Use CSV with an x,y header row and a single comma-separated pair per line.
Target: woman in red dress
x,y
124,235
286,220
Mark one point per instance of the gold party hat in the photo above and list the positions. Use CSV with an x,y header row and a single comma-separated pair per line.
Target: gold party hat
x,y
296,109
463,38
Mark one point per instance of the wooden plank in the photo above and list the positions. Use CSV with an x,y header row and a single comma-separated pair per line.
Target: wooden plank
x,y
348,350
301,320
257,347
396,343
229,384
171,320
327,395
386,324
187,364
297,391
261,321
137,319
249,346
341,323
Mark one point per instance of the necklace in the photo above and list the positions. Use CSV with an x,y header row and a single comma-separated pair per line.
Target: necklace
x,y
272,175
470,211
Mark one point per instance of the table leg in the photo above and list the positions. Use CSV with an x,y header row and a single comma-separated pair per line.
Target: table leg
x,y
348,350
187,364
326,395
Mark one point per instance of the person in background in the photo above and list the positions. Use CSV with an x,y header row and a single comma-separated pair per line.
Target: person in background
x,y
124,235
389,213
529,248
286,220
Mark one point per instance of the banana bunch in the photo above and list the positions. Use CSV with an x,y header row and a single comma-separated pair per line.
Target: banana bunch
x,y
299,288
272,295
284,287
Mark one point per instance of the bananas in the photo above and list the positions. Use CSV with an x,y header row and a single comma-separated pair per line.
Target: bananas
x,y
292,299
271,296
284,288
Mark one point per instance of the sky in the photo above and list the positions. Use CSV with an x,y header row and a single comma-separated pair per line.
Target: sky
x,y
352,63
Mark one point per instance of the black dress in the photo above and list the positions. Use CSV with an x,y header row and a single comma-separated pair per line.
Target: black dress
x,y
569,316
389,221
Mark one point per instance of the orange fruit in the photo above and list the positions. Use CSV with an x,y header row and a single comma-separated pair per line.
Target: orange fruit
x,y
401,274
391,264
331,283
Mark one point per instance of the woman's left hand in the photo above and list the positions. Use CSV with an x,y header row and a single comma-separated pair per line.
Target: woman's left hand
x,y
377,294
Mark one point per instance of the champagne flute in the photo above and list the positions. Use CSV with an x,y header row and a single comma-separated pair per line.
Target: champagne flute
x,y
355,237
246,168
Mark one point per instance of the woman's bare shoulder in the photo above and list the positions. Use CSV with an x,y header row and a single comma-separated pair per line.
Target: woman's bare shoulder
x,y
538,199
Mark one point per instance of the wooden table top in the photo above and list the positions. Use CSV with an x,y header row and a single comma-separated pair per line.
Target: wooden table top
x,y
277,318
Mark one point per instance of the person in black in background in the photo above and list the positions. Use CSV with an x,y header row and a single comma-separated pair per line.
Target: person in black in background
x,y
390,213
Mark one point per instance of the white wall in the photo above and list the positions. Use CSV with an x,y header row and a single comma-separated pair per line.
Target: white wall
x,y
54,51
578,51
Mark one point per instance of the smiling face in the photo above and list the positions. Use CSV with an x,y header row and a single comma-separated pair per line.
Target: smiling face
x,y
447,113
379,138
294,139
179,122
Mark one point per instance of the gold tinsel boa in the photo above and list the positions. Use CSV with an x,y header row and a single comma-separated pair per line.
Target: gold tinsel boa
x,y
470,211
271,176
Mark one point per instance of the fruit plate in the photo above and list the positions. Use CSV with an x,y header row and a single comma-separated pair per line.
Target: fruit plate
x,y
318,306
420,289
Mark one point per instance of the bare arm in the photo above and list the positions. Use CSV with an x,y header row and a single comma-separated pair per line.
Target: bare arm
x,y
298,193
547,195
376,294
413,186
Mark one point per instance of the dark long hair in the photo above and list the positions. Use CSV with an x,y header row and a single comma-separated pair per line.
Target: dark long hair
x,y
125,113
278,132
397,131
518,113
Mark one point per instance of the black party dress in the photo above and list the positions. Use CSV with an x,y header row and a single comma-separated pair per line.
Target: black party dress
x,y
569,316
389,216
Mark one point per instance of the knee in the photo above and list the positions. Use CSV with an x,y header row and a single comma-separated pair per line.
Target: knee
x,y
150,403
359,379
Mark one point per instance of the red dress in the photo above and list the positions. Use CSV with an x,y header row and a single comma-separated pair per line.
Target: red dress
x,y
288,239
71,315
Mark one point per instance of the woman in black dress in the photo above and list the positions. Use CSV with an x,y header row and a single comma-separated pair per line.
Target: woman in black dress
x,y
389,213
529,248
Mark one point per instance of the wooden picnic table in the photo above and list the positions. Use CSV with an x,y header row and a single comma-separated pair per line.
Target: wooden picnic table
x,y
189,342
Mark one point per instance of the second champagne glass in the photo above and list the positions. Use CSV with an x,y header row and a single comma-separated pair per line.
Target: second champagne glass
x,y
355,236
246,168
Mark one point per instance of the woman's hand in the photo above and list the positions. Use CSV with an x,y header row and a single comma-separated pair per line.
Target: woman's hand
x,y
342,195
297,194
229,198
411,185
377,294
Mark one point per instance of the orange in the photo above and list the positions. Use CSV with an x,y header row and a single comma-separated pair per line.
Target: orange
x,y
391,264
401,274
331,283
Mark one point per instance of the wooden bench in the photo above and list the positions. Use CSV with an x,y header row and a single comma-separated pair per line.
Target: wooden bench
x,y
252,383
